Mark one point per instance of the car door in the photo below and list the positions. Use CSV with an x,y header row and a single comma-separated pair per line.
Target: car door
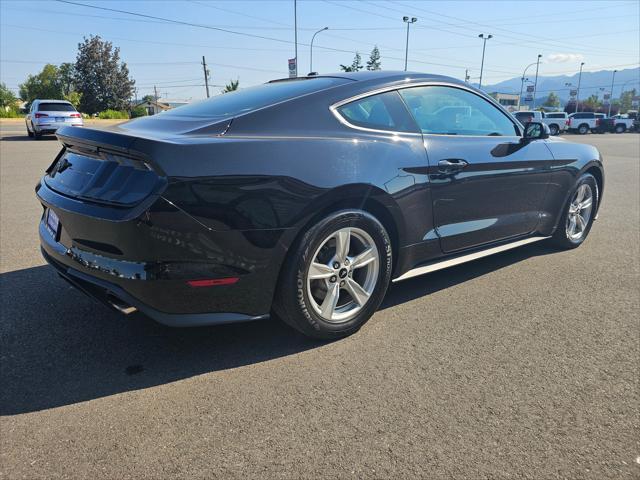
x,y
486,184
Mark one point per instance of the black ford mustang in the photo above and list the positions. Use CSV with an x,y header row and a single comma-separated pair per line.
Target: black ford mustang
x,y
305,198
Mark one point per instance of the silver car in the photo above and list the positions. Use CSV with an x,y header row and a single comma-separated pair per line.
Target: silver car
x,y
46,116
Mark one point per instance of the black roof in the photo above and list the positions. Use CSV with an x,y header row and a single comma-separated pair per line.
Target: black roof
x,y
382,75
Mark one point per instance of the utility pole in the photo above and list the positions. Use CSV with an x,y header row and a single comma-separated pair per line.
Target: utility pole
x,y
578,90
484,46
206,75
295,28
613,78
535,85
155,96
408,21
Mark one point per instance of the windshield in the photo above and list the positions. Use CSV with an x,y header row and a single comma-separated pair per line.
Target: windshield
x,y
252,98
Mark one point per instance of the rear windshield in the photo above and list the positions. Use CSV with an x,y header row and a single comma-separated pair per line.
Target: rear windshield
x,y
555,115
252,98
56,107
524,116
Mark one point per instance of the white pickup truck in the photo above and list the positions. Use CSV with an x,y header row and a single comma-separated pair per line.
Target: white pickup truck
x,y
556,121
622,123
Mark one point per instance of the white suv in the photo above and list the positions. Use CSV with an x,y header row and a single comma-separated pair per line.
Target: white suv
x,y
556,121
46,116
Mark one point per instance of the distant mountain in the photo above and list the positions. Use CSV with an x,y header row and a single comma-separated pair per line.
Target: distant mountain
x,y
590,84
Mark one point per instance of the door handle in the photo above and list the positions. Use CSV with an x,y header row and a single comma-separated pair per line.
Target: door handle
x,y
452,164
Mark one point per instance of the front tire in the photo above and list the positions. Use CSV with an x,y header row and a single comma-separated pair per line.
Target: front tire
x,y
335,276
583,129
620,128
578,214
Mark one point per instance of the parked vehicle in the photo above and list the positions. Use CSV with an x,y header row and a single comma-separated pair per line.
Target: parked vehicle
x,y
46,116
556,121
622,123
583,122
305,197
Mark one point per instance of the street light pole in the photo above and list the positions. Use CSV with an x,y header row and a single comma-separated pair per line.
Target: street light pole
x,y
523,78
408,21
578,90
295,29
311,53
484,46
535,84
613,78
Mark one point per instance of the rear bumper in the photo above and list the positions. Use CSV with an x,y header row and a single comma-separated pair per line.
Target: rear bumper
x,y
147,260
111,293
53,127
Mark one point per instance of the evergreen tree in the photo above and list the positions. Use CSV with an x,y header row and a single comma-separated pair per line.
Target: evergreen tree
x,y
356,66
374,59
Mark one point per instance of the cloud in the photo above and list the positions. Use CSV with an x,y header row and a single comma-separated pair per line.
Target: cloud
x,y
565,57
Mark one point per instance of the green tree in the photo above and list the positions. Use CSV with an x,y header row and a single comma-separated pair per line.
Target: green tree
x,y
45,84
355,66
625,100
231,86
592,103
67,77
374,59
7,98
74,98
101,78
149,98
552,101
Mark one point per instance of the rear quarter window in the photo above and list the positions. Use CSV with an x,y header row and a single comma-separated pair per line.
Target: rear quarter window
x,y
384,111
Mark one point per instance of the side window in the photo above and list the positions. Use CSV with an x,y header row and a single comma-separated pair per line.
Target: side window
x,y
453,111
384,111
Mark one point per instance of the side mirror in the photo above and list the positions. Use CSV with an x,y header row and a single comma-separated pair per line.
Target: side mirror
x,y
535,131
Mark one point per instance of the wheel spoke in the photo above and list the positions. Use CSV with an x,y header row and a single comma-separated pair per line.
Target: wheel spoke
x,y
343,239
581,223
319,271
365,258
359,295
572,225
585,204
330,301
580,194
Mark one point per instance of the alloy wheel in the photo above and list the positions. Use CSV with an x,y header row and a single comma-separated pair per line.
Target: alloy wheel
x,y
580,210
343,274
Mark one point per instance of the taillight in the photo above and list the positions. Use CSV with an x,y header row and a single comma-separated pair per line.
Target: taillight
x,y
75,115
569,122
40,115
597,122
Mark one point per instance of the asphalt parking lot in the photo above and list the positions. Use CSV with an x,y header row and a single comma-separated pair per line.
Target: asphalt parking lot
x,y
521,365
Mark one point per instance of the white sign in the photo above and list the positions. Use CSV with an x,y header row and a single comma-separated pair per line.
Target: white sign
x,y
528,98
293,68
529,88
573,93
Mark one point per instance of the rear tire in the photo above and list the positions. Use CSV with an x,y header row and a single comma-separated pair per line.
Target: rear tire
x,y
29,132
37,135
583,129
554,129
326,294
620,128
577,214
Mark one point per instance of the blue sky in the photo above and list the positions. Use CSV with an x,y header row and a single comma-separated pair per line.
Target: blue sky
x,y
603,34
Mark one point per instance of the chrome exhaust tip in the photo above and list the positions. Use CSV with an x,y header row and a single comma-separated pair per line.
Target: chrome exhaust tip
x,y
121,306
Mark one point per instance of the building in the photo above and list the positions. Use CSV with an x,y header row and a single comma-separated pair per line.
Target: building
x,y
152,107
510,101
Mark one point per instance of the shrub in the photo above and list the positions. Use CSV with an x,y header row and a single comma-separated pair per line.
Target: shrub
x,y
10,113
138,111
113,115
